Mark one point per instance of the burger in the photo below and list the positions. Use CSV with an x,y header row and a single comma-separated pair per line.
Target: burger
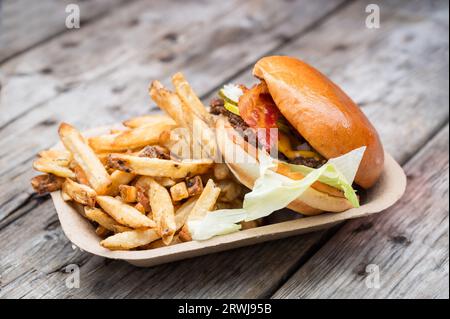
x,y
302,119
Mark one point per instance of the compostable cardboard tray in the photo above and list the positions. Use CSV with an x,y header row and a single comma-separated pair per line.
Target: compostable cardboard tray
x,y
80,231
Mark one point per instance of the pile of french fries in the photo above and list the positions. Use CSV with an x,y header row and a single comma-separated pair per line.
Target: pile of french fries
x,y
129,184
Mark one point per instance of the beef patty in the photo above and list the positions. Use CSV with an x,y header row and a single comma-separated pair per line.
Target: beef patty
x,y
217,108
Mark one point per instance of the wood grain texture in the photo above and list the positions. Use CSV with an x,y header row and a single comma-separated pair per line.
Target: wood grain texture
x,y
24,26
135,38
408,243
233,273
248,272
150,40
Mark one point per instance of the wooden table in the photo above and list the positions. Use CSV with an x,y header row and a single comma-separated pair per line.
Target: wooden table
x,y
98,74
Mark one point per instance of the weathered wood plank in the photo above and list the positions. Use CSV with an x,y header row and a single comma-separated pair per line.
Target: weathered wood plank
x,y
138,36
408,243
122,280
225,274
25,25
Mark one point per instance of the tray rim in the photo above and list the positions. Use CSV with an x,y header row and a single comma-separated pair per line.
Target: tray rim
x,y
68,216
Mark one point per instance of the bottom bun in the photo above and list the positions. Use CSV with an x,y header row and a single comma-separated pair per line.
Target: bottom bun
x,y
233,146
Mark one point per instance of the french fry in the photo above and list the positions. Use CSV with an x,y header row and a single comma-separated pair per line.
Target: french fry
x,y
80,193
205,140
182,213
130,139
158,167
138,238
154,151
189,98
162,211
142,177
142,186
100,217
194,185
102,231
61,157
160,243
124,214
168,102
195,117
177,141
165,181
181,216
179,191
56,154
51,167
130,239
119,178
95,172
120,228
46,183
183,114
128,193
103,157
105,143
140,208
165,139
204,204
148,119
79,173
221,171
206,201
116,131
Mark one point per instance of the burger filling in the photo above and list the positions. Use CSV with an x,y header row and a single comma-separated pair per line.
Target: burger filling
x,y
251,109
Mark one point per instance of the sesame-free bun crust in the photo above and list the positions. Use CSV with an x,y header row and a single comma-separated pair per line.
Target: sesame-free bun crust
x,y
322,113
313,201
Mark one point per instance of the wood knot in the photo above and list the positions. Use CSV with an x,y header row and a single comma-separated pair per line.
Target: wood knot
x,y
400,240
362,227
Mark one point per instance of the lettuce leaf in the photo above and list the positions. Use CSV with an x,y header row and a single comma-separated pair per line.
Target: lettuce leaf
x,y
219,222
340,173
273,191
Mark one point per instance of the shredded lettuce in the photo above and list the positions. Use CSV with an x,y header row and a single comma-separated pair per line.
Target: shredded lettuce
x,y
232,92
273,191
340,173
348,164
219,222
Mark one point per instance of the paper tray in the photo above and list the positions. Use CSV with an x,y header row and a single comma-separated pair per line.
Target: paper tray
x,y
385,193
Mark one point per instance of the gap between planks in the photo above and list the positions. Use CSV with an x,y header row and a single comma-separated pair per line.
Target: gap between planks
x,y
60,31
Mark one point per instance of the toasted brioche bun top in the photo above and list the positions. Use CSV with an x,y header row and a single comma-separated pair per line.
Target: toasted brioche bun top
x,y
322,113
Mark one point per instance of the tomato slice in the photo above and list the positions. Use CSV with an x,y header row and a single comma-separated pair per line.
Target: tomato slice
x,y
258,110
